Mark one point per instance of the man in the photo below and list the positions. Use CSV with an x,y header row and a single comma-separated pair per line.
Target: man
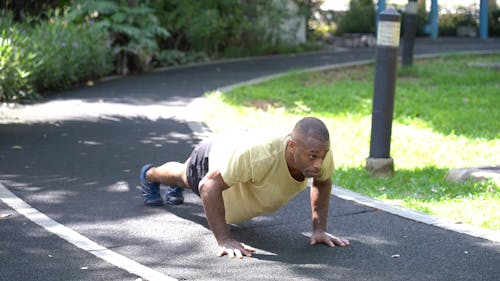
x,y
242,176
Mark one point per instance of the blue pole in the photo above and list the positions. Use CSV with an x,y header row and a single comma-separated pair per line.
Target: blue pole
x,y
483,19
380,9
381,6
433,18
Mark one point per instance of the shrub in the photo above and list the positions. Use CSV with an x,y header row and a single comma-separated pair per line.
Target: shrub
x,y
448,23
227,27
176,57
494,23
360,18
49,55
202,26
14,66
422,20
67,53
133,30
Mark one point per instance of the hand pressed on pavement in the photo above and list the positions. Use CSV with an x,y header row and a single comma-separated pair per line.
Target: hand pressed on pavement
x,y
234,249
328,239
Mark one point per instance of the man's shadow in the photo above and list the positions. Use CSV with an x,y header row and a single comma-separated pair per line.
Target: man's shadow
x,y
282,236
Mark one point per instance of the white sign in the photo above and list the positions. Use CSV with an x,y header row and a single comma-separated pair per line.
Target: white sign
x,y
388,33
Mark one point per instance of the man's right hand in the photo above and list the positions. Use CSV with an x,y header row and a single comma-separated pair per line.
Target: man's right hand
x,y
211,187
233,249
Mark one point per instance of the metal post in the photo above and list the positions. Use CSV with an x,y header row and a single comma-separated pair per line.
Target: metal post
x,y
483,19
434,19
410,30
379,162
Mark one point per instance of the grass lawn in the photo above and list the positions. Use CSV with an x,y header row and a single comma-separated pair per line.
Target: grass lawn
x,y
447,115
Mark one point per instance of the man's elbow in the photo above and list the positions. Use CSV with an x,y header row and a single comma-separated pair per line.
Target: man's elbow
x,y
212,182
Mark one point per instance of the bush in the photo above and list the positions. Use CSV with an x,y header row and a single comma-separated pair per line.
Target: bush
x,y
448,23
133,30
360,18
176,57
14,66
67,53
224,27
202,26
49,55
494,23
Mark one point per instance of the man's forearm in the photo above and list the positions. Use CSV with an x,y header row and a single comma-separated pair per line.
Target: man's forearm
x,y
214,210
320,203
211,188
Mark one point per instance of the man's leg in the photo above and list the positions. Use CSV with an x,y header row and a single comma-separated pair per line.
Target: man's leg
x,y
170,173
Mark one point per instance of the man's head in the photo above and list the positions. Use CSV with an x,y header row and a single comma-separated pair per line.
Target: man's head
x,y
308,146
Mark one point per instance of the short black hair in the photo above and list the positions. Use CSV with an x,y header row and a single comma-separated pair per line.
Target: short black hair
x,y
311,127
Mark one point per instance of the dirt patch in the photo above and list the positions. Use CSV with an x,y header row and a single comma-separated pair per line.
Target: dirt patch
x,y
263,105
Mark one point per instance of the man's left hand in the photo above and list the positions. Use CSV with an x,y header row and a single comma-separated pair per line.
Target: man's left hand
x,y
324,237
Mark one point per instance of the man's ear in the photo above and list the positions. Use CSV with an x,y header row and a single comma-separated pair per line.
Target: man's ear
x,y
292,145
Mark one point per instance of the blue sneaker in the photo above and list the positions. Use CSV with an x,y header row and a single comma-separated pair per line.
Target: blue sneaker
x,y
174,196
150,191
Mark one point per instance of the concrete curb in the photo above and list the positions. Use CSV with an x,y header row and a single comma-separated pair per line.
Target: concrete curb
x,y
415,215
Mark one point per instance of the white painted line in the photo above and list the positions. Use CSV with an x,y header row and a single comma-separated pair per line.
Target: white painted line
x,y
79,240
415,215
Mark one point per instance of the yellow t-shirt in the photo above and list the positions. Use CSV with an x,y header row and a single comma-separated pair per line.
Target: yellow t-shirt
x,y
253,164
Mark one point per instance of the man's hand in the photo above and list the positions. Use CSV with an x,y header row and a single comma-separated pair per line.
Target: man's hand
x,y
234,249
324,237
211,187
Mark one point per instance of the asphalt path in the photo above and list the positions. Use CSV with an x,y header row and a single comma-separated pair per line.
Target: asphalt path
x,y
75,159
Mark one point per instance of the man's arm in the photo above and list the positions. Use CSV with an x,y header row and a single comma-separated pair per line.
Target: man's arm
x,y
211,188
320,202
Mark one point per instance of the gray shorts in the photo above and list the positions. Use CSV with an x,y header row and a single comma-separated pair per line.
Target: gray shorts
x,y
198,164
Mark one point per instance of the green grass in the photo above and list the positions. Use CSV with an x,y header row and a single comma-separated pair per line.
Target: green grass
x,y
446,116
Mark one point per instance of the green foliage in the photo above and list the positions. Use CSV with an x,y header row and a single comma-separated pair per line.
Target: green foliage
x,y
201,25
224,27
14,64
422,20
133,30
67,53
49,55
494,23
22,10
360,18
448,23
176,57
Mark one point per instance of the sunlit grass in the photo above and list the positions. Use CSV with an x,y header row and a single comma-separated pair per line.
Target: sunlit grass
x,y
446,116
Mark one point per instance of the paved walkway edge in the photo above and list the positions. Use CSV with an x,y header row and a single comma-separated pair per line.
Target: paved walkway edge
x,y
195,123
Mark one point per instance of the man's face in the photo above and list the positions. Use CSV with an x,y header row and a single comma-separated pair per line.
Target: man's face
x,y
309,156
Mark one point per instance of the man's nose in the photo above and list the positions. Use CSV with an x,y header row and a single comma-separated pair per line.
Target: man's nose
x,y
318,163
